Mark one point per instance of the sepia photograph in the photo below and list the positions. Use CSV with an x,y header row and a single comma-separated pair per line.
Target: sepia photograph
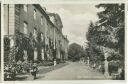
x,y
64,41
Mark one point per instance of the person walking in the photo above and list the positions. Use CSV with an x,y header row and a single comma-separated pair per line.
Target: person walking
x,y
34,70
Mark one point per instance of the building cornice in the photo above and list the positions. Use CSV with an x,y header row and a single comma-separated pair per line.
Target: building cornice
x,y
48,19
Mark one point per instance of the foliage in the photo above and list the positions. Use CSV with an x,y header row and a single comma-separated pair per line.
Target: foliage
x,y
6,43
10,71
28,43
112,18
107,32
75,52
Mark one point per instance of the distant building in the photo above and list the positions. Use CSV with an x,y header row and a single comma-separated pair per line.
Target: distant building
x,y
36,33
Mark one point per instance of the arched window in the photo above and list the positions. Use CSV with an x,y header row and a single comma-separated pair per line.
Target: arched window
x,y
34,15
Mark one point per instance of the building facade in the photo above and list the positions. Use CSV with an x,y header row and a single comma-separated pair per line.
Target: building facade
x,y
34,33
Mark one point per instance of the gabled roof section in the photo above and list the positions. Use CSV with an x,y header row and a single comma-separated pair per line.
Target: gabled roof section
x,y
57,19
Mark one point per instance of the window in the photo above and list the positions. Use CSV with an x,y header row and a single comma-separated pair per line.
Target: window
x,y
25,55
25,8
42,37
35,33
41,20
11,42
34,15
25,28
52,19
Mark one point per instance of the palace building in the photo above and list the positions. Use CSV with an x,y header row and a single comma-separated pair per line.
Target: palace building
x,y
34,33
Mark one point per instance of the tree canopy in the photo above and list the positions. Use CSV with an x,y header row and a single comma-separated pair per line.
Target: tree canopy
x,y
107,33
75,52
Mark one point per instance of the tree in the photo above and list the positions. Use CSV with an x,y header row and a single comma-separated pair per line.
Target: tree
x,y
95,39
107,32
75,52
112,18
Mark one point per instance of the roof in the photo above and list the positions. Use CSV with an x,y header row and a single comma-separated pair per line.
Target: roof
x,y
48,19
57,18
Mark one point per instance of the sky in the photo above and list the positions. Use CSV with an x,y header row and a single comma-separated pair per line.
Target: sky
x,y
75,19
